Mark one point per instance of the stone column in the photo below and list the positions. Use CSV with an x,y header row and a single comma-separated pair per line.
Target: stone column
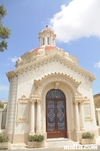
x,y
38,126
98,115
77,126
32,122
1,110
81,116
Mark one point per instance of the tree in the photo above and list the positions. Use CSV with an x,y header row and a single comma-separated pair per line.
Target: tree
x,y
4,31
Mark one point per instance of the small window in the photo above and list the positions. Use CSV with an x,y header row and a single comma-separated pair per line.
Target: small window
x,y
43,41
48,40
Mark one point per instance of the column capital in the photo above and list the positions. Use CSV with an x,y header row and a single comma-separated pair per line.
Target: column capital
x,y
81,102
98,109
32,100
38,100
78,101
75,102
31,133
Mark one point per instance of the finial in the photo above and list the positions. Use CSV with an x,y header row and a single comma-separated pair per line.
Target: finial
x,y
46,26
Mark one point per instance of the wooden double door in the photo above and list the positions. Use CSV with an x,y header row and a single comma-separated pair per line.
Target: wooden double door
x,y
56,114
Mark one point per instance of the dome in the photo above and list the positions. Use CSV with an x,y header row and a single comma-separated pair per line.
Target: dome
x,y
46,48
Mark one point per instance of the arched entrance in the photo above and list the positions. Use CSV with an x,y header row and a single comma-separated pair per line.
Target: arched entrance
x,y
56,114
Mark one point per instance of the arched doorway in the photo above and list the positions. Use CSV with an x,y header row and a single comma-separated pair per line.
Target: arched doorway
x,y
56,114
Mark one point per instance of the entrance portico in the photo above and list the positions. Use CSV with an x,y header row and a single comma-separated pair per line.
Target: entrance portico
x,y
72,103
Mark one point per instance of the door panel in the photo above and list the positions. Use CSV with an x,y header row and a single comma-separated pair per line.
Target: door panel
x,y
60,115
51,116
55,114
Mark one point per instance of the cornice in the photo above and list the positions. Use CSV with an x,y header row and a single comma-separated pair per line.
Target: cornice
x,y
55,57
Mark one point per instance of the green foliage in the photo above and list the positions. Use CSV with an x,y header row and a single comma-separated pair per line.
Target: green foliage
x,y
36,138
87,135
2,11
4,31
3,138
1,105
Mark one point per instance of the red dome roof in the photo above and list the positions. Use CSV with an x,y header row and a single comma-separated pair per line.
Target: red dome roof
x,y
45,48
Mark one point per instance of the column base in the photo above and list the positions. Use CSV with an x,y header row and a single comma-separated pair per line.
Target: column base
x,y
82,129
38,133
32,133
76,135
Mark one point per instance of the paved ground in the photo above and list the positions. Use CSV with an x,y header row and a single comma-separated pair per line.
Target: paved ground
x,y
54,145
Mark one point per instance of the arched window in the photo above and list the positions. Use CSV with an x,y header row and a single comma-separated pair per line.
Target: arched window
x,y
48,40
43,41
55,93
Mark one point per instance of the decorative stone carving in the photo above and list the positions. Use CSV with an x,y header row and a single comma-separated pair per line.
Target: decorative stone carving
x,y
88,118
22,110
56,85
87,112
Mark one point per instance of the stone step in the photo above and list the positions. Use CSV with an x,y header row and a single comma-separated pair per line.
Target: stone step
x,y
18,146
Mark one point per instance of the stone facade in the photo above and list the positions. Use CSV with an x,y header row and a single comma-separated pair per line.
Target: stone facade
x,y
97,110
39,71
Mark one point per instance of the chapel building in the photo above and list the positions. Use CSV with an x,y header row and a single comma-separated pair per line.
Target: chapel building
x,y
49,94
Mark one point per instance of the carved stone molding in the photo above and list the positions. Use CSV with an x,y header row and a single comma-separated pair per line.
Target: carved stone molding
x,y
23,99
22,110
59,76
55,78
35,97
57,57
86,100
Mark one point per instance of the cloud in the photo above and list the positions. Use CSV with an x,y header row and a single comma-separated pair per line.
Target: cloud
x,y
14,59
4,87
97,65
81,18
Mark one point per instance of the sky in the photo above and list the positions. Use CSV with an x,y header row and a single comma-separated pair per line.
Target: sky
x,y
75,22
